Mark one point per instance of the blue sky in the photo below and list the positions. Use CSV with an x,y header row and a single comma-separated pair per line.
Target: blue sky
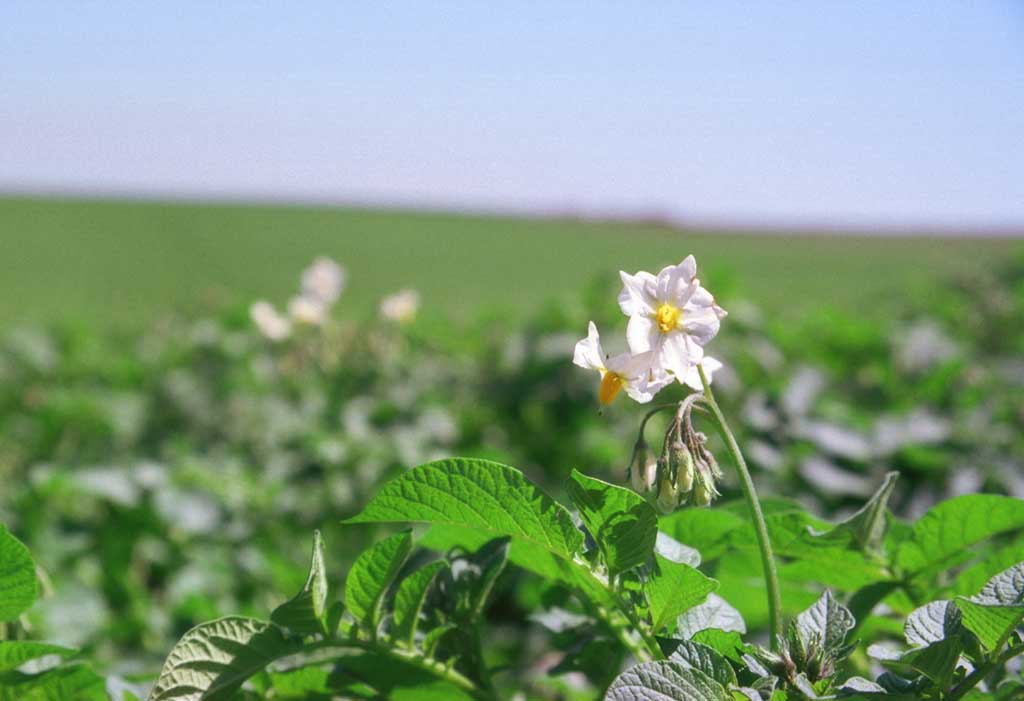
x,y
827,113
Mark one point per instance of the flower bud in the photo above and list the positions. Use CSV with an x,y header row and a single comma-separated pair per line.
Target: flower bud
x,y
668,492
701,494
643,471
682,461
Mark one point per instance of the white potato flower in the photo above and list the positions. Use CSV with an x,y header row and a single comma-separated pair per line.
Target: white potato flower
x,y
307,310
401,306
692,377
670,315
323,281
628,371
272,325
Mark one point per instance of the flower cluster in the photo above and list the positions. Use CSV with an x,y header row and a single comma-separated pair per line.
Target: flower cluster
x,y
322,283
671,318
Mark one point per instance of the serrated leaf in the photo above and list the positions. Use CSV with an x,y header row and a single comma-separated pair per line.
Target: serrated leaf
x,y
715,612
997,609
624,525
477,494
665,681
932,623
409,599
14,653
304,613
214,659
692,655
673,589
945,534
826,622
17,577
371,575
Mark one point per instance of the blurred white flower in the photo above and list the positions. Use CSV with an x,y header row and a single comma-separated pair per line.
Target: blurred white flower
x,y
670,315
401,306
271,324
624,371
692,377
307,310
323,281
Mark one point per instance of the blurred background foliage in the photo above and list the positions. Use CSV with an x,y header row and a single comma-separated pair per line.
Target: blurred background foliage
x,y
169,469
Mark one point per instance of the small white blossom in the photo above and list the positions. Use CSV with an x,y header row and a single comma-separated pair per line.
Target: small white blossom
x,y
631,372
272,325
692,378
323,281
670,315
307,310
401,306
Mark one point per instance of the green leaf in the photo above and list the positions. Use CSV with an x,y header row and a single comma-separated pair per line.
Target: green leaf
x,y
213,660
304,613
946,533
997,609
713,613
692,655
936,661
14,653
409,599
477,494
867,528
674,588
624,525
17,577
665,681
65,683
708,527
486,564
371,575
728,643
826,623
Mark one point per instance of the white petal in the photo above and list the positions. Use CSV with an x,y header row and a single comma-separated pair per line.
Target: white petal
x,y
631,366
688,268
636,296
676,354
701,324
700,297
641,334
588,353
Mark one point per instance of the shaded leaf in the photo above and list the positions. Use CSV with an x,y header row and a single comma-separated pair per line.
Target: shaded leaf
x,y
867,527
997,609
674,588
372,574
665,681
624,525
14,653
214,659
409,599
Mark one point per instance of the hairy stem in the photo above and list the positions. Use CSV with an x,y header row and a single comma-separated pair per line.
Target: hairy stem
x,y
771,577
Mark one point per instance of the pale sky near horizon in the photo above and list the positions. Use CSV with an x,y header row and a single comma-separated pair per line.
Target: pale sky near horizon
x,y
839,113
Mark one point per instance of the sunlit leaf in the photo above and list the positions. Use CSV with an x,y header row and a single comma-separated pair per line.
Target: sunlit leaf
x,y
304,613
17,577
372,574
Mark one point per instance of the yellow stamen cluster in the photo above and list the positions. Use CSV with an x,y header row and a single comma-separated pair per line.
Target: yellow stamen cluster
x,y
667,317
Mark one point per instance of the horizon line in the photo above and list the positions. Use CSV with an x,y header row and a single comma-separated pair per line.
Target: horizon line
x,y
655,217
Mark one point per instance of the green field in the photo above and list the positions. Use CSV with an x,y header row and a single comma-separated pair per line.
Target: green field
x,y
120,262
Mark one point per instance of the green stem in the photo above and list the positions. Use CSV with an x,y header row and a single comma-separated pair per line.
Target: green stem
x,y
971,680
427,664
771,577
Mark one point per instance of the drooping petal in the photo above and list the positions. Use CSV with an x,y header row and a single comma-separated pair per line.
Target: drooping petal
x,y
649,384
710,365
700,297
641,334
676,353
588,352
636,297
701,324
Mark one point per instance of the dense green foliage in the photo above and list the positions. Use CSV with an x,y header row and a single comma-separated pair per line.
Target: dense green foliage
x,y
166,480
